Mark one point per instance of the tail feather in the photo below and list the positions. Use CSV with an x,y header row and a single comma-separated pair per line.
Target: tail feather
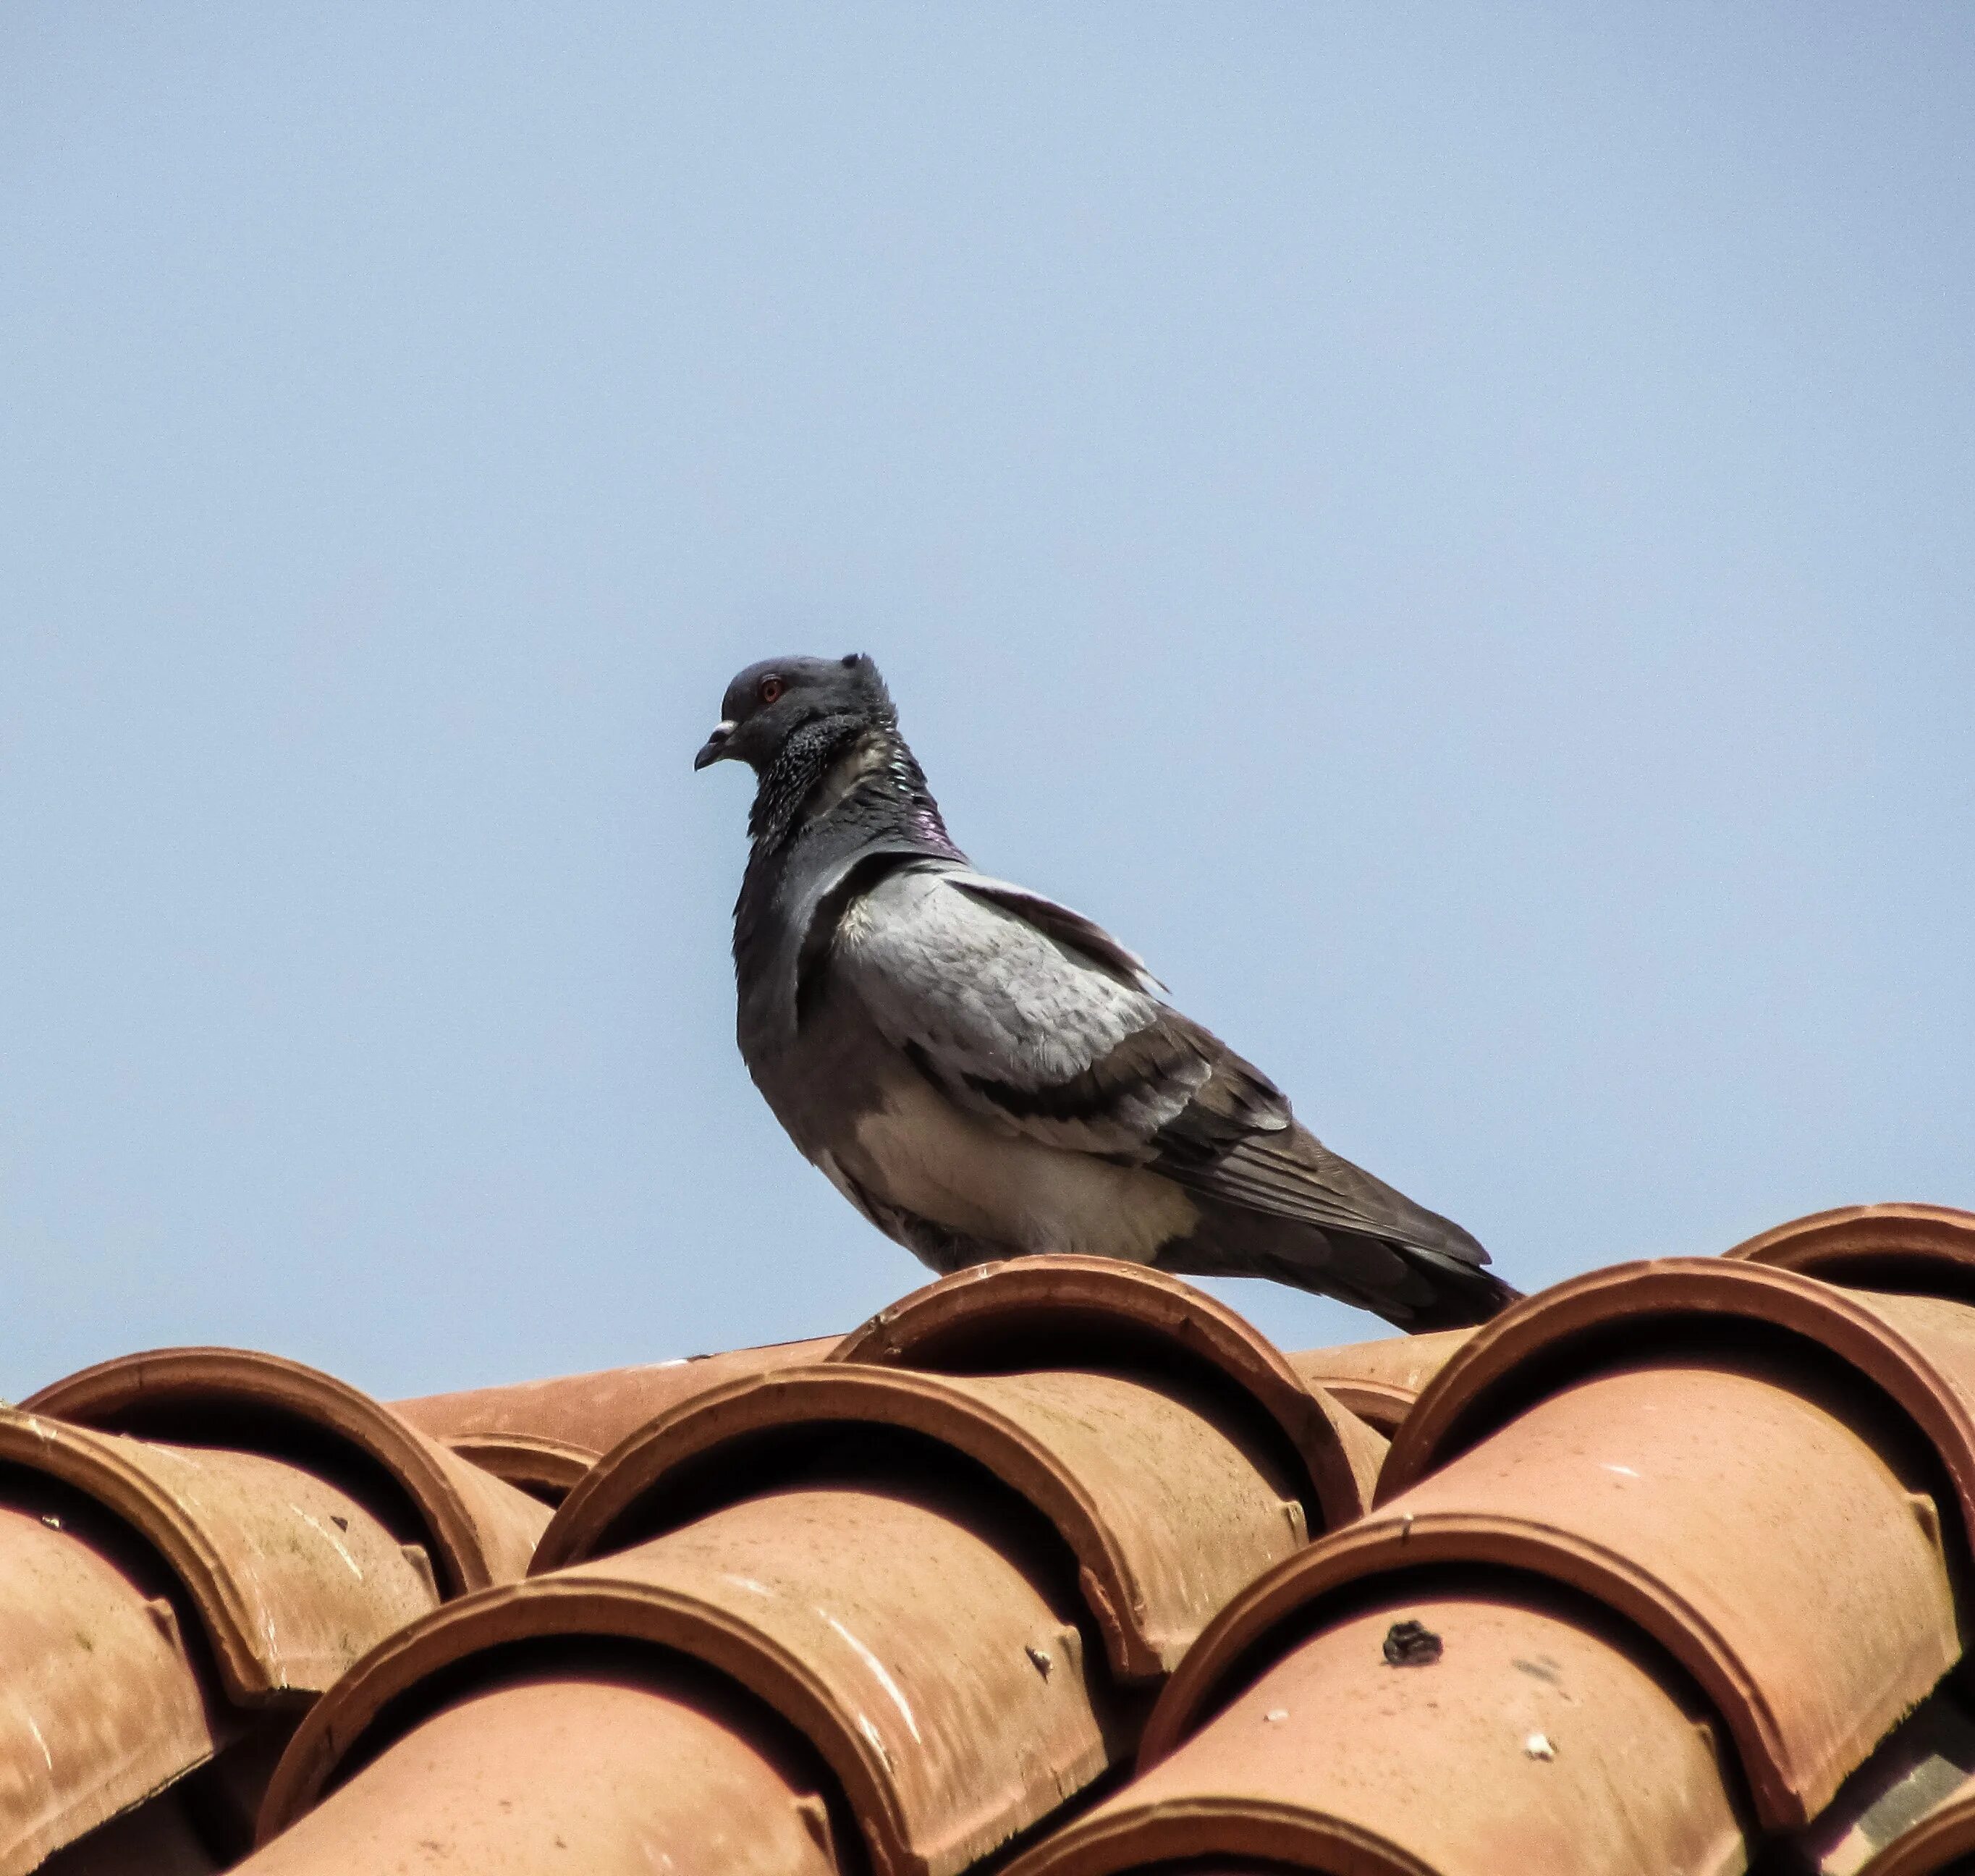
x,y
1414,1290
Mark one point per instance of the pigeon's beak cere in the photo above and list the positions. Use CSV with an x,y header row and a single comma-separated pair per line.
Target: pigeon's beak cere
x,y
714,747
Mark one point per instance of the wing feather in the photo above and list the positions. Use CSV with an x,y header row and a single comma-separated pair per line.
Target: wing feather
x,y
1035,1019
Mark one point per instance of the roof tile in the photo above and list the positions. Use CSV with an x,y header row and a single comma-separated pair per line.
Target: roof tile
x,y
945,1687
477,1528
1765,1543
1688,1536
544,1777
1531,1744
588,1414
1071,1311
278,1524
545,1469
1930,1248
292,1579
945,1577
1379,1381
101,1706
1167,1511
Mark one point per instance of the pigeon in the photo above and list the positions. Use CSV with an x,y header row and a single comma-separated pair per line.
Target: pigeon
x,y
986,1074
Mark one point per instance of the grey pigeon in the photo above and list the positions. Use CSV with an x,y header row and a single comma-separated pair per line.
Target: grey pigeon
x,y
984,1073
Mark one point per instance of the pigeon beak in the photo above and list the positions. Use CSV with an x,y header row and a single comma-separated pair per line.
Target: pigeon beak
x,y
715,747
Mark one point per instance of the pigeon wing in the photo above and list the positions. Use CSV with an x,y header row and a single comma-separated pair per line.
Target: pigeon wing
x,y
1019,1010
1031,1016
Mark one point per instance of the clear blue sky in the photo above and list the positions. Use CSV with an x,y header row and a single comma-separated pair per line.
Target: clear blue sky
x,y
1451,529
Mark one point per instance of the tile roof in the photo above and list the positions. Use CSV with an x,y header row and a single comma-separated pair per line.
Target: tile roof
x,y
1055,1568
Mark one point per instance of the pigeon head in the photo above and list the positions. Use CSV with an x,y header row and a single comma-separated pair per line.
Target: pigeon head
x,y
822,740
816,699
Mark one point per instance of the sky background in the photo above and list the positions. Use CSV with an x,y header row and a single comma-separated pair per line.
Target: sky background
x,y
1451,529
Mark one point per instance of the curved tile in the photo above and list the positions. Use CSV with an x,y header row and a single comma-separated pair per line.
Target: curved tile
x,y
546,1470
593,1412
477,1528
1910,1351
1928,1249
99,1705
1167,1513
1072,1312
1379,1380
1530,1744
292,1579
543,1776
1762,1538
942,1684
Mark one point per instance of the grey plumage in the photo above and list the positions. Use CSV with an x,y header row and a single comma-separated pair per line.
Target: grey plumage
x,y
984,1073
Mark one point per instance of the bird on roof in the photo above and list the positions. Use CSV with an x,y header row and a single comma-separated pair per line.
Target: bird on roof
x,y
984,1073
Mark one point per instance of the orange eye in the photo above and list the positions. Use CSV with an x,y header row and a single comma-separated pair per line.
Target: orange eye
x,y
771,689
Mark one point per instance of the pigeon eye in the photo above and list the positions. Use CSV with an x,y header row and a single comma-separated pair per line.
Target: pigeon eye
x,y
770,688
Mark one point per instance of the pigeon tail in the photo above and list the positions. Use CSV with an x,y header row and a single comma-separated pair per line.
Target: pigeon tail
x,y
1462,1298
1411,1286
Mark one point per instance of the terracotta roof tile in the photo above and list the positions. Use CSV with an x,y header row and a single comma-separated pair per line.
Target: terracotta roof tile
x,y
574,1773
1040,1313
950,1584
898,1635
1763,1543
102,1706
589,1414
476,1529
1533,1744
1930,1248
546,1470
1163,1513
291,1579
1379,1381
195,1543
1662,1571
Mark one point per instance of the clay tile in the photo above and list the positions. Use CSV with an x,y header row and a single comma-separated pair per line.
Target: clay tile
x,y
1916,1353
477,1528
1926,1249
1379,1380
1167,1513
940,1681
291,1578
1071,1311
102,1705
544,1468
543,1776
591,1413
1529,1743
1760,1523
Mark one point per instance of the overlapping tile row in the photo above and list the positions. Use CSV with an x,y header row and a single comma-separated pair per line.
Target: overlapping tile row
x,y
1910,1811
543,1435
194,1544
929,1587
1379,1381
1689,1539
1664,1569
